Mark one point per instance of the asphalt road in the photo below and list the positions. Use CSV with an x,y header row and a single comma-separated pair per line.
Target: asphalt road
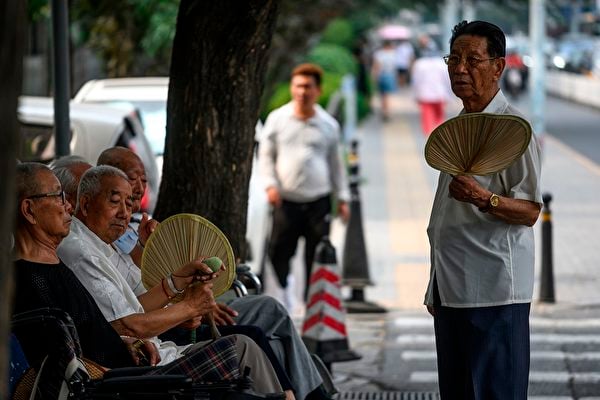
x,y
576,125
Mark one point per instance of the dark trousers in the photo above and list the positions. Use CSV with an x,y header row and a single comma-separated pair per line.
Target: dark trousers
x,y
483,353
290,222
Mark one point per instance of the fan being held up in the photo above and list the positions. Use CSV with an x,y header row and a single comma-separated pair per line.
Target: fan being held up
x,y
180,239
477,143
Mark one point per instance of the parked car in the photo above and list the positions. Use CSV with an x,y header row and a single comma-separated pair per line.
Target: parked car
x,y
94,128
149,96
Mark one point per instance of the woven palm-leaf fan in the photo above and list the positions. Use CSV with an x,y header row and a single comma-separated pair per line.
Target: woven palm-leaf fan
x,y
180,239
477,143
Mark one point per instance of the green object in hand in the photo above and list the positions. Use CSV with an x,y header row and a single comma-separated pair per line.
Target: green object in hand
x,y
214,263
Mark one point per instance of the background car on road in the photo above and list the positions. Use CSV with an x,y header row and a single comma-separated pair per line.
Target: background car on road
x,y
94,128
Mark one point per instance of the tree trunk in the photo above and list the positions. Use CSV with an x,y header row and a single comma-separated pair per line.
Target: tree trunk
x,y
219,61
12,42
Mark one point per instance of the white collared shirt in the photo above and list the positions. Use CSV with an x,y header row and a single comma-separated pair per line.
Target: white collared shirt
x,y
94,263
302,158
477,259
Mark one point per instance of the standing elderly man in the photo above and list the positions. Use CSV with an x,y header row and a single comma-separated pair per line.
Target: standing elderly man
x,y
302,167
103,211
482,247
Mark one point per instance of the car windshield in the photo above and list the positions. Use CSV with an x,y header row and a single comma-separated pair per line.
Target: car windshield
x,y
154,118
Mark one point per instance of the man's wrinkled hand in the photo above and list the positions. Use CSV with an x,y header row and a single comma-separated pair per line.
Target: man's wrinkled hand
x,y
224,315
200,298
191,324
143,352
146,227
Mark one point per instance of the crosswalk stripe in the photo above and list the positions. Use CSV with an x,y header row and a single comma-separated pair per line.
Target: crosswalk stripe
x,y
535,355
535,322
534,377
549,338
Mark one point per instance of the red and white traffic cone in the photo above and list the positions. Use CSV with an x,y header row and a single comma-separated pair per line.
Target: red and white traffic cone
x,y
324,329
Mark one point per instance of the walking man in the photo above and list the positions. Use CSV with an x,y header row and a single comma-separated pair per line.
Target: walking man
x,y
301,164
482,246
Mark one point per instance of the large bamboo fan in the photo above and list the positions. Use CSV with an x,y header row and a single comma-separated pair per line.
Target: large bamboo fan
x,y
477,143
180,239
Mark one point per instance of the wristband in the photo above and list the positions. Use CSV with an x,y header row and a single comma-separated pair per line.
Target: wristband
x,y
140,243
172,285
162,285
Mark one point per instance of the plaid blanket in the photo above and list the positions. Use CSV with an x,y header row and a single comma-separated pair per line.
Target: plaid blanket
x,y
216,361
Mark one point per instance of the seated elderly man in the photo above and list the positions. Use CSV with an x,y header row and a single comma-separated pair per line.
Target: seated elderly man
x,y
102,214
69,171
42,280
262,311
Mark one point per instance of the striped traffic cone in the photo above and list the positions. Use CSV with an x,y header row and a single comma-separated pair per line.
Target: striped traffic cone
x,y
324,329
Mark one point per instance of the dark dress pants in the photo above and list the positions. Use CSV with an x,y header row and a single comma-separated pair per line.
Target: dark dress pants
x,y
483,353
290,222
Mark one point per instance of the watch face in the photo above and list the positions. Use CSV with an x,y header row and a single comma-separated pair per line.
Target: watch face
x,y
494,200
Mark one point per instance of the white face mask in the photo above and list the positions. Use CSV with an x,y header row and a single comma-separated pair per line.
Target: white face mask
x,y
127,241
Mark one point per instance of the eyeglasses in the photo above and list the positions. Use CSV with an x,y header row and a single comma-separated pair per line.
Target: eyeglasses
x,y
453,60
60,193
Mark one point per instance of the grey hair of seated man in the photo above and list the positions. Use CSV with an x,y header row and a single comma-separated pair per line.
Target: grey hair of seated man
x,y
26,182
69,170
91,181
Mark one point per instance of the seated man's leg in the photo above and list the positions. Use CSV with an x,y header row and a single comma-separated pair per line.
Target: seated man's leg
x,y
268,314
214,361
261,371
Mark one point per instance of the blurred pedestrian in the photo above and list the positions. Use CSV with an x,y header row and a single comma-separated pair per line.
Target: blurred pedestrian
x,y
384,73
431,85
405,55
482,245
302,166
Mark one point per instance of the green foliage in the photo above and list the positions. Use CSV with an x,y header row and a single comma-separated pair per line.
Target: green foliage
x,y
38,9
334,59
339,32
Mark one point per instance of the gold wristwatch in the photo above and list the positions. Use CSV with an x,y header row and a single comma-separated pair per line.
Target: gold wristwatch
x,y
492,203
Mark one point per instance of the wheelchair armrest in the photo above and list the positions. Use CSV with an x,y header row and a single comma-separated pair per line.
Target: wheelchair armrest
x,y
127,371
144,384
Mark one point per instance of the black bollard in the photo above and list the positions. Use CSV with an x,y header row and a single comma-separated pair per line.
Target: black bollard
x,y
547,278
355,263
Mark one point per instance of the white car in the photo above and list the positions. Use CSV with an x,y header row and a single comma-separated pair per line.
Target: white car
x,y
149,96
94,128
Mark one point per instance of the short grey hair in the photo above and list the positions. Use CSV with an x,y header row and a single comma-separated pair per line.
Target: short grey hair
x,y
65,161
91,181
64,172
26,178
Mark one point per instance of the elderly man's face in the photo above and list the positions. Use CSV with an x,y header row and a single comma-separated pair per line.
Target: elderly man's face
x,y
52,215
474,83
107,214
134,169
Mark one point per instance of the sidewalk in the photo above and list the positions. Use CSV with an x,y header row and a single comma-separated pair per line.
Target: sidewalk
x,y
396,202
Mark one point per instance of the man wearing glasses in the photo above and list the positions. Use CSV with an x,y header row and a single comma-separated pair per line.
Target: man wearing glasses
x,y
482,247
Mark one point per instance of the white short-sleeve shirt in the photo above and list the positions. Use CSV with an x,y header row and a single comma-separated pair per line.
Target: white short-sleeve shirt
x,y
94,263
477,259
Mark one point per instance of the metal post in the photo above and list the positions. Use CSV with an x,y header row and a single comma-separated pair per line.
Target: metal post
x,y
62,91
449,12
547,274
350,107
468,12
355,271
537,34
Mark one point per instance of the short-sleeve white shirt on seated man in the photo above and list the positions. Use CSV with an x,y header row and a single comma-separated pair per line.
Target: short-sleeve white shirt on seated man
x,y
94,263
